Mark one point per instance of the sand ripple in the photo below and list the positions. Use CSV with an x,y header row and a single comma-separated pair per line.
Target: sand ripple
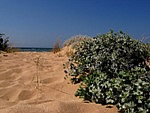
x,y
28,87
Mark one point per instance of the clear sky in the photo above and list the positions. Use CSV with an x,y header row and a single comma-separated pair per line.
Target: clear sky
x,y
39,23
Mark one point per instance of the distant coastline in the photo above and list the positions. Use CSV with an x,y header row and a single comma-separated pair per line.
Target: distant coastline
x,y
33,49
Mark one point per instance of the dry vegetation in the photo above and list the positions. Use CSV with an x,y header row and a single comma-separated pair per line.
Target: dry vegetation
x,y
75,40
57,46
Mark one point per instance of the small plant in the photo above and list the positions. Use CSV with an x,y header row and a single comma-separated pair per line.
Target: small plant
x,y
3,43
112,70
57,46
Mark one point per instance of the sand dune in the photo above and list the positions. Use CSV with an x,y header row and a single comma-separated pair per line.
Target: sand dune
x,y
22,92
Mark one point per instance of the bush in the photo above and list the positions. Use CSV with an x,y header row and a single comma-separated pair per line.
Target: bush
x,y
75,40
147,45
109,53
3,43
128,90
112,70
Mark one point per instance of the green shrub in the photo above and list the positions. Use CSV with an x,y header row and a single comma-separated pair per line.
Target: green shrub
x,y
3,43
128,90
109,53
147,45
74,40
112,70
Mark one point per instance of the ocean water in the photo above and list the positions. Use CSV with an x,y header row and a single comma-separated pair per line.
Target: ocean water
x,y
33,49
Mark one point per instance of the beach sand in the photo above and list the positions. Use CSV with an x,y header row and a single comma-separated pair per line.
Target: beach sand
x,y
33,82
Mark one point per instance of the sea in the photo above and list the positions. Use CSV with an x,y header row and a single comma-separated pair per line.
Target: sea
x,y
33,49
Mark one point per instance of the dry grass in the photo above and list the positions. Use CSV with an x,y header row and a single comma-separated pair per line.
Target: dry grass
x,y
69,52
59,55
13,49
57,46
75,40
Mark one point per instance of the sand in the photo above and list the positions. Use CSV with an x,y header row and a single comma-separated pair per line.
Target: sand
x,y
22,92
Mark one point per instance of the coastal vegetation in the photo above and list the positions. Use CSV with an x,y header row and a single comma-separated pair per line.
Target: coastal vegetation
x,y
75,40
112,69
57,46
3,43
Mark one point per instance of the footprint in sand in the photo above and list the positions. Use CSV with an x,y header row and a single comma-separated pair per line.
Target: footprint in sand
x,y
9,94
50,80
25,95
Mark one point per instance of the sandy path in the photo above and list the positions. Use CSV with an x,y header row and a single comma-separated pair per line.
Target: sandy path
x,y
20,93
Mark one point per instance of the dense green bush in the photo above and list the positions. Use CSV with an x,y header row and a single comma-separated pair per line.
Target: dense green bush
x,y
3,43
147,45
112,70
109,53
128,90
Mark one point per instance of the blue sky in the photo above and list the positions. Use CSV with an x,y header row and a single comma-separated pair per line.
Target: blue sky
x,y
39,23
